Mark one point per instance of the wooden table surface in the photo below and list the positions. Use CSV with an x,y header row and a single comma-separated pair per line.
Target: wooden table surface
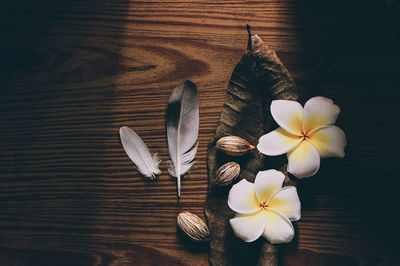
x,y
73,72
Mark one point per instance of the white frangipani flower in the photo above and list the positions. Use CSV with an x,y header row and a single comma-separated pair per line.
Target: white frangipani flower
x,y
264,208
305,134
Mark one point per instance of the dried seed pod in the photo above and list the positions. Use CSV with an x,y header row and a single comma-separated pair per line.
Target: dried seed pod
x,y
193,227
234,146
226,174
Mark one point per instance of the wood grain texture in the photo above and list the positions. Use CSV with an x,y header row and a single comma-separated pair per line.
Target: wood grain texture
x,y
73,72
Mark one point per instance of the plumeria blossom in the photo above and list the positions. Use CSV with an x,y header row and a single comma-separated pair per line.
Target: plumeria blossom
x,y
264,208
305,134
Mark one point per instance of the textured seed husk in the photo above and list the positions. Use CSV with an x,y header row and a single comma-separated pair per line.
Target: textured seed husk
x,y
234,146
193,227
226,174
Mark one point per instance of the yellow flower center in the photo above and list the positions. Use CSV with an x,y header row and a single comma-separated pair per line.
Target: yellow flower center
x,y
306,135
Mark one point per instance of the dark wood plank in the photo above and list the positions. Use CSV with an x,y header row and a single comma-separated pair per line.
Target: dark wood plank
x,y
73,72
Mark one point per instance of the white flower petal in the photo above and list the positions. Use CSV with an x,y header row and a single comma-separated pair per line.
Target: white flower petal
x,y
304,160
319,111
242,198
277,142
329,141
267,183
287,202
249,227
278,229
288,115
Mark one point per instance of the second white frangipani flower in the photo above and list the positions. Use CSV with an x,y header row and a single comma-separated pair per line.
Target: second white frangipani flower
x,y
305,134
264,208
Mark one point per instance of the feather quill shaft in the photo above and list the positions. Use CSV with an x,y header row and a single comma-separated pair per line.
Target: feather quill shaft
x,y
182,121
139,153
